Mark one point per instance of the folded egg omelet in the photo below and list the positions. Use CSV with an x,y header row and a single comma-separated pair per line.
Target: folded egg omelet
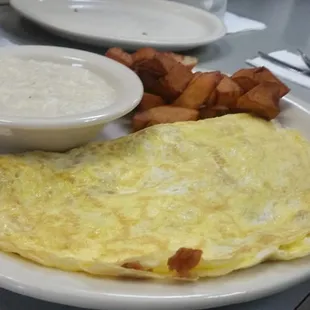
x,y
184,200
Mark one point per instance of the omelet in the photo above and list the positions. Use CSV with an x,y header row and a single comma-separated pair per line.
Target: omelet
x,y
180,201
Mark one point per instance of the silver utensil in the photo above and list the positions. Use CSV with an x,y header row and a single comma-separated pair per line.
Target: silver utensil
x,y
304,57
283,63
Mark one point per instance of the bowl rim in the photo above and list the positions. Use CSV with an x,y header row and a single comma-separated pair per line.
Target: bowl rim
x,y
131,90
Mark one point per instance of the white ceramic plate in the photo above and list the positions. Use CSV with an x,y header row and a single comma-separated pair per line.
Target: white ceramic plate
x,y
81,290
127,23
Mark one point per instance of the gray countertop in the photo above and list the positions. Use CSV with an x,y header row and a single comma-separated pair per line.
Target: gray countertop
x,y
288,27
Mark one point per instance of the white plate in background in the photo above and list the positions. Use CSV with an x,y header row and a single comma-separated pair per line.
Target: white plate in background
x,y
77,289
126,23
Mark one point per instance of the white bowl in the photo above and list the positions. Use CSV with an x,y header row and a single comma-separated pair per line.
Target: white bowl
x,y
66,132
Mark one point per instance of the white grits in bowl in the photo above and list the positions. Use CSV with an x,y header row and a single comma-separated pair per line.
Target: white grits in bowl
x,y
50,89
54,98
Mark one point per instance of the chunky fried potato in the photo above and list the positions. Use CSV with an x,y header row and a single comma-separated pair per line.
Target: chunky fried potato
x,y
176,81
199,90
228,92
120,56
163,115
262,100
215,111
265,75
211,101
150,101
147,53
143,54
148,80
245,78
168,87
249,78
167,77
159,65
151,84
188,61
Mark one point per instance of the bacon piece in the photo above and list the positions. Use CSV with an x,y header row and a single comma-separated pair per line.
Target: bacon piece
x,y
133,265
136,266
184,260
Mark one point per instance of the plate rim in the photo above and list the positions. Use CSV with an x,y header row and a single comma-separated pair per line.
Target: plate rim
x,y
107,301
21,7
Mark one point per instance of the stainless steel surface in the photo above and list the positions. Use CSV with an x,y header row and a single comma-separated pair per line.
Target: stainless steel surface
x,y
305,58
287,28
282,63
304,304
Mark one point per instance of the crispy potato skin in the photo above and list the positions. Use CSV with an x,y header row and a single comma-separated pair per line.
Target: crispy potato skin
x,y
199,90
143,54
188,61
151,84
163,115
228,92
150,101
147,53
176,81
264,75
215,111
245,78
249,78
120,56
262,100
159,65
